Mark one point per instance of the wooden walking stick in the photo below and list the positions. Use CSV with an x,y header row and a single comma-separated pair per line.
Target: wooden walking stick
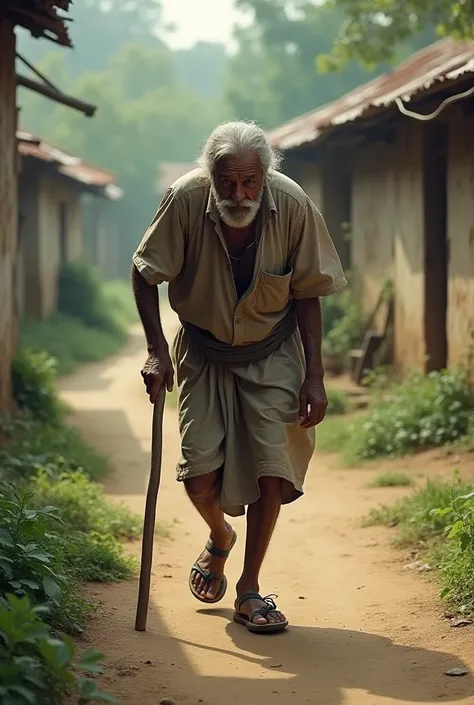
x,y
150,511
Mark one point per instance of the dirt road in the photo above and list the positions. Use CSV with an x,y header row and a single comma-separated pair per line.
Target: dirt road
x,y
364,631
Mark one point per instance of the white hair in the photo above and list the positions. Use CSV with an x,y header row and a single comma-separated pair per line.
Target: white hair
x,y
237,139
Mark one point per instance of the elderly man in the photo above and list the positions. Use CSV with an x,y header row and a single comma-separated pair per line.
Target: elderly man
x,y
247,256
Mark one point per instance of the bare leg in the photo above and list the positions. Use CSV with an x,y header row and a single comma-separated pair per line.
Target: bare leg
x,y
261,520
204,494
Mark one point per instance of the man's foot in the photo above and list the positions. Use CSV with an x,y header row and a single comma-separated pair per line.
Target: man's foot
x,y
207,580
259,614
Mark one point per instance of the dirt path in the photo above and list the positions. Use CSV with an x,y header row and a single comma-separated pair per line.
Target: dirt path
x,y
364,630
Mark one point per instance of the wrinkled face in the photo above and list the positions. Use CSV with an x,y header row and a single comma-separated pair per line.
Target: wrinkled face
x,y
238,189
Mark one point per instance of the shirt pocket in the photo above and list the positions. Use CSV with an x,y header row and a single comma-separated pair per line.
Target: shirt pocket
x,y
273,291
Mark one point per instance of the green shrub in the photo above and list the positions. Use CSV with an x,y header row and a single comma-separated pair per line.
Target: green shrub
x,y
81,296
82,505
99,558
391,479
346,332
440,518
39,668
120,303
33,446
338,401
33,381
70,341
424,411
415,517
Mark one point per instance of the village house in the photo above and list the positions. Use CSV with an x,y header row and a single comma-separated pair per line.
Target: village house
x,y
52,232
42,18
397,193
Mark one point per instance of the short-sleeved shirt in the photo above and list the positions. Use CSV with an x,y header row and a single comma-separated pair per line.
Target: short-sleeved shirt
x,y
185,246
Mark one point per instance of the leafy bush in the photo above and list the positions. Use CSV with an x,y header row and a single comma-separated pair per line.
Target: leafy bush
x,y
99,558
70,341
346,331
440,518
32,446
120,302
81,296
424,411
36,667
82,505
338,402
33,381
415,517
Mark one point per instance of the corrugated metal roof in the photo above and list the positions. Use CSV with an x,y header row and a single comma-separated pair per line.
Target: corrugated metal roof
x,y
40,17
67,164
446,60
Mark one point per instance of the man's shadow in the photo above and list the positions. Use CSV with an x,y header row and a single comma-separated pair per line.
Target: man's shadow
x,y
318,665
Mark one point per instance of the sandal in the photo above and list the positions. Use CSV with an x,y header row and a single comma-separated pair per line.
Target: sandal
x,y
248,622
208,575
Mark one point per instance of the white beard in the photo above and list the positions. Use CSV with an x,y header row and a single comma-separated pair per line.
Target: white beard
x,y
237,215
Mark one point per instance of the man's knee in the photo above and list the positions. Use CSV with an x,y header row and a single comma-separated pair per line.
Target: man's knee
x,y
202,487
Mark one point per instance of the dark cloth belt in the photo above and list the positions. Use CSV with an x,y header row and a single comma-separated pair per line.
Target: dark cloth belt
x,y
223,353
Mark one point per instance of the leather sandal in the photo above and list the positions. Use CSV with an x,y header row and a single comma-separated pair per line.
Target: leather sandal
x,y
208,575
263,611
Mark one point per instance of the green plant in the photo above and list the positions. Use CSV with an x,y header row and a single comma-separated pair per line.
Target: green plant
x,y
33,381
391,479
32,446
80,295
70,341
26,567
99,558
37,668
345,329
338,401
414,516
82,505
423,411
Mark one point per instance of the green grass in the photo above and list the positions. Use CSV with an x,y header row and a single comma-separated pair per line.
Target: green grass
x,y
69,341
338,401
391,478
73,342
413,515
438,519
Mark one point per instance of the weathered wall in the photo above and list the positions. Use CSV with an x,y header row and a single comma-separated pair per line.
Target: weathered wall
x,y
28,277
461,236
373,221
409,280
310,179
51,194
8,210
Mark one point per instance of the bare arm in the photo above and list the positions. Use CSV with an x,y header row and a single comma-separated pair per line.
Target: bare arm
x,y
313,400
158,367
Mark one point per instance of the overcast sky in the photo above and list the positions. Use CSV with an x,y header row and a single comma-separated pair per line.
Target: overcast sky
x,y
195,20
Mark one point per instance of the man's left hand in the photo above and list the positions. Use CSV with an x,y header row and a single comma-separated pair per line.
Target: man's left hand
x,y
313,402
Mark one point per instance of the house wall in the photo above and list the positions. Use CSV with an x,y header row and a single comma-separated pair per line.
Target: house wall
x,y
8,210
373,221
409,279
460,318
311,181
29,290
51,194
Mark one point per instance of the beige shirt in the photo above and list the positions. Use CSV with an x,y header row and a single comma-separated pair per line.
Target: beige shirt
x,y
185,246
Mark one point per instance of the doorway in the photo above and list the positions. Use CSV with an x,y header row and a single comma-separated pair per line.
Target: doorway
x,y
436,250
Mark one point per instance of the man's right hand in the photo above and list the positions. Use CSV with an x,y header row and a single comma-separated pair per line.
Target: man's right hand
x,y
158,369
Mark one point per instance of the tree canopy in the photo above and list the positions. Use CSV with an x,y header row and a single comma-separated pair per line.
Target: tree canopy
x,y
373,30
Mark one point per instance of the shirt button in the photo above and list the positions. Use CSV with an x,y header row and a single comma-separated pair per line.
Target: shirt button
x,y
237,320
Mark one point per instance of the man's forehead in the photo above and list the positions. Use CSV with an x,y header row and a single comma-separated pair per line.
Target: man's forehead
x,y
249,163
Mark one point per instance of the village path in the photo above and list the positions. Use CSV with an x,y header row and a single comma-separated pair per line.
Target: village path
x,y
364,631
